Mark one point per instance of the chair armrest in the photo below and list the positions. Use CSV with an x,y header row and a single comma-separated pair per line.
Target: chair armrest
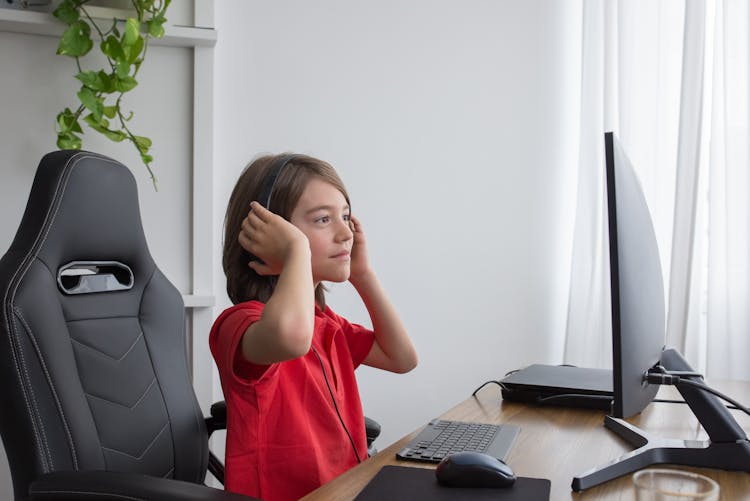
x,y
218,418
111,485
372,430
217,421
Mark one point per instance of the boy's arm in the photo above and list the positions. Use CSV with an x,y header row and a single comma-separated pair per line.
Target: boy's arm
x,y
393,350
285,328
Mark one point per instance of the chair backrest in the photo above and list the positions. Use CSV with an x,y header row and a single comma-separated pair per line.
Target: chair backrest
x,y
93,364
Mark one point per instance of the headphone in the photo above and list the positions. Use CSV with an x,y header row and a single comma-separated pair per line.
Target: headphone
x,y
269,183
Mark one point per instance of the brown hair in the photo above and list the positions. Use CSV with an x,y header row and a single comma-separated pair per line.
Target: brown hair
x,y
243,284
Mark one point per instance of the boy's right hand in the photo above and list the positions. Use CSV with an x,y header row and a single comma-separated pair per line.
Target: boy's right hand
x,y
270,237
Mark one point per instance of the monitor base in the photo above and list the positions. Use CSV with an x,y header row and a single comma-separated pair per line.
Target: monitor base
x,y
655,450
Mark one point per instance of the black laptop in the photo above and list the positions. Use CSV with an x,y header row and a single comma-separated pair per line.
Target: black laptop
x,y
560,385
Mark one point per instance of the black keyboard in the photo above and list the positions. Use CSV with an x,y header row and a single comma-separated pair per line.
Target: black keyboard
x,y
441,438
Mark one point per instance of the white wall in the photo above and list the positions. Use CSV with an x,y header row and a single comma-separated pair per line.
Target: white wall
x,y
453,125
36,84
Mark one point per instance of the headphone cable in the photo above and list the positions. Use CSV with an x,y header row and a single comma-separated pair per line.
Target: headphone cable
x,y
335,406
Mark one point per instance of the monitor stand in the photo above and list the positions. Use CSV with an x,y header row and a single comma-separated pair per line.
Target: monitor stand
x,y
727,447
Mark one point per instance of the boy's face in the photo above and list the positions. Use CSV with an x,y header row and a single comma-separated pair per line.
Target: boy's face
x,y
323,216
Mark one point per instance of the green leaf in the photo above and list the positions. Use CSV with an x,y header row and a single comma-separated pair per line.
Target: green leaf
x,y
66,12
76,40
142,143
62,122
94,123
112,48
108,82
68,141
135,50
122,69
67,122
92,102
115,135
125,84
88,78
97,81
62,125
156,27
110,111
147,159
132,32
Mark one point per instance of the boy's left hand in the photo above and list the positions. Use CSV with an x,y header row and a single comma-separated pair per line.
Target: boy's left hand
x,y
360,262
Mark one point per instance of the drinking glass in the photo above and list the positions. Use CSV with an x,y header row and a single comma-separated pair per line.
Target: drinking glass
x,y
657,484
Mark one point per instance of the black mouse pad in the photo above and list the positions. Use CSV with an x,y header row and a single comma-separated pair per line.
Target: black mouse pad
x,y
397,483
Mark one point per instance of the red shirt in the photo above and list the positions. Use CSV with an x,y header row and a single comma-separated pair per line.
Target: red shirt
x,y
284,438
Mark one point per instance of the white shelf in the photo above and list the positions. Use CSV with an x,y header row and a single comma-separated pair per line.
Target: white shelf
x,y
196,301
45,24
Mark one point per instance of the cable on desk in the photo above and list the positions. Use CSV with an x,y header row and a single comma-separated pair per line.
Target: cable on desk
x,y
676,379
492,381
501,385
668,401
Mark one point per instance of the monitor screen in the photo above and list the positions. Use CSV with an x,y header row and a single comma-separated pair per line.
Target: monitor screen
x,y
637,289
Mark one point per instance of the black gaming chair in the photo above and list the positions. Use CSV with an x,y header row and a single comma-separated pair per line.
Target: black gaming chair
x,y
96,399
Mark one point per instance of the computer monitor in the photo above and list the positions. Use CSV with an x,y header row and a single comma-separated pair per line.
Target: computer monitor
x,y
637,290
638,334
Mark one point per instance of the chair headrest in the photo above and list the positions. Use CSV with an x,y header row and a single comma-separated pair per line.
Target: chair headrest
x,y
82,207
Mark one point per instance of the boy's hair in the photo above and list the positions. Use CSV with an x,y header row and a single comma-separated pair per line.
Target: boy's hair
x,y
243,283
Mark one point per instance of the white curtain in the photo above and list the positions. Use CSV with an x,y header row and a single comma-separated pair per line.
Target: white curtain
x,y
630,84
588,320
717,337
670,78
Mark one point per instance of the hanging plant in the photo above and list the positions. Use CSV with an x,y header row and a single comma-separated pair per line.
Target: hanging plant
x,y
123,44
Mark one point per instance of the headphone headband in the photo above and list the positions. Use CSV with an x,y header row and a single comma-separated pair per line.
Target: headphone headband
x,y
273,174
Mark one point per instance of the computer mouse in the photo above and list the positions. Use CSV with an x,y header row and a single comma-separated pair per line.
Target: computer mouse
x,y
473,469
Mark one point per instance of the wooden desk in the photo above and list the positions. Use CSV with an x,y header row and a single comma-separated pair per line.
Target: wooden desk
x,y
559,443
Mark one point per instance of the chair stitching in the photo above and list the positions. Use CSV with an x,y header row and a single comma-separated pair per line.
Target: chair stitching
x,y
144,451
143,395
47,223
17,353
198,418
100,352
39,432
15,281
98,318
58,404
166,407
